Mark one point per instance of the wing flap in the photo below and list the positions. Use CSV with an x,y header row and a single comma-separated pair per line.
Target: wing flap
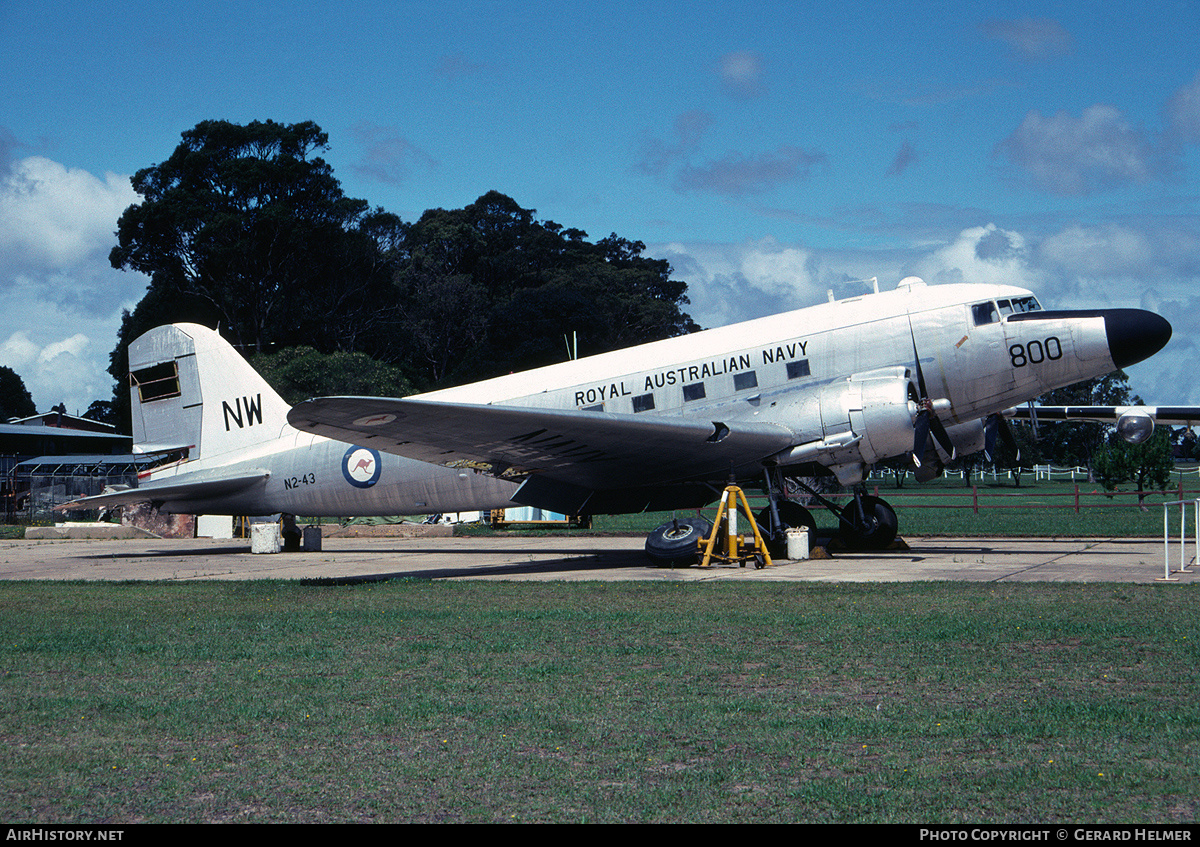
x,y
594,450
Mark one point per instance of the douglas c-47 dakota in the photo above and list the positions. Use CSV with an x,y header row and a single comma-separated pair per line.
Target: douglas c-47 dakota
x,y
922,371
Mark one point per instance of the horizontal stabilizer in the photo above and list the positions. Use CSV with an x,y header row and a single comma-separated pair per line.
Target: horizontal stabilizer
x,y
179,489
593,450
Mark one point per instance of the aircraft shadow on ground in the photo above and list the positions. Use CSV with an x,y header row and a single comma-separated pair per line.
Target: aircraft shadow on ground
x,y
581,564
572,560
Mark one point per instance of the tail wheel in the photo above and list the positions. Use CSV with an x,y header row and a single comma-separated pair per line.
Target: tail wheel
x,y
676,544
874,529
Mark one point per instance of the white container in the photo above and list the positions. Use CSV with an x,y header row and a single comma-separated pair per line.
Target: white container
x,y
797,543
265,538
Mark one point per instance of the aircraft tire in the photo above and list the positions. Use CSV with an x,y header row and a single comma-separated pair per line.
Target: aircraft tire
x,y
878,532
793,515
674,544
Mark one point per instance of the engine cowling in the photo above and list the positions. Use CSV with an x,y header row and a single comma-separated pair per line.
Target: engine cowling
x,y
1135,426
853,423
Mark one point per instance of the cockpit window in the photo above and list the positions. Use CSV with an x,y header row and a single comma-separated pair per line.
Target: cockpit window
x,y
984,313
1006,308
1026,304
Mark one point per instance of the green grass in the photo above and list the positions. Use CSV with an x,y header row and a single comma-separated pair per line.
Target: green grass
x,y
569,702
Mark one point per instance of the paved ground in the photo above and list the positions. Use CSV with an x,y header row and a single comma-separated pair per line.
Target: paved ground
x,y
587,558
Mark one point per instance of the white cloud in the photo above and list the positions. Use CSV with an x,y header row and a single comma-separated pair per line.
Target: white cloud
x,y
18,351
981,254
742,75
63,298
738,174
1183,113
1034,38
734,282
1103,251
1076,156
57,217
66,370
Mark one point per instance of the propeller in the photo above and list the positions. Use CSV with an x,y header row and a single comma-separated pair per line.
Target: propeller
x,y
996,425
927,420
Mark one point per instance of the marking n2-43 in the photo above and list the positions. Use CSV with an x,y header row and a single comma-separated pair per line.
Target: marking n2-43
x,y
244,411
297,481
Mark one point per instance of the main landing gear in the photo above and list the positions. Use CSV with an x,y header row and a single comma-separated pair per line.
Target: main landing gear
x,y
865,523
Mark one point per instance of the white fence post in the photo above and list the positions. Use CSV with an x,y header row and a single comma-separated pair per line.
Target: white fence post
x,y
1182,504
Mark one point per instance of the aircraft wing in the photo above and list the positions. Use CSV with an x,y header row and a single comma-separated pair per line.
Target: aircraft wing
x,y
1185,415
592,450
178,489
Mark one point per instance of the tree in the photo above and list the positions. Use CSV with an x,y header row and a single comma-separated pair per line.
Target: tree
x,y
298,373
488,289
1076,442
246,228
102,411
1147,464
15,399
249,221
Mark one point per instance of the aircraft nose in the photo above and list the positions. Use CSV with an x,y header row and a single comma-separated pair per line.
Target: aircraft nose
x,y
1134,335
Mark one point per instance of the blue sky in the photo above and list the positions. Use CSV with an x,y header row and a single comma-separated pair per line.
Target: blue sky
x,y
771,151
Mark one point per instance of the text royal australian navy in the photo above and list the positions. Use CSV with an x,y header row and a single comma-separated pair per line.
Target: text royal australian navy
x,y
693,373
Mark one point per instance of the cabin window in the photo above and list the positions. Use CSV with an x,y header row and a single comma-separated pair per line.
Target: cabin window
x,y
744,380
795,370
984,313
597,408
695,391
156,382
643,402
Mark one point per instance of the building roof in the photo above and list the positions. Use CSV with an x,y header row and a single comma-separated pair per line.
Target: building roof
x,y
84,464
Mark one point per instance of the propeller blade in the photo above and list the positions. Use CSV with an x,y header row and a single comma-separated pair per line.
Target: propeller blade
x,y
920,435
998,426
925,423
943,437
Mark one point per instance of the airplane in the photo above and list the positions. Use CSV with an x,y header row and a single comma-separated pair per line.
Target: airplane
x,y
927,372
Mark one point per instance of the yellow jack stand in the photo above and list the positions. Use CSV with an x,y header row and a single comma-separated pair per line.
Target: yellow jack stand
x,y
733,547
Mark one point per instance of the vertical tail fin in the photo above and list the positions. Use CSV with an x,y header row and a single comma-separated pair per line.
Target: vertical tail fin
x,y
189,389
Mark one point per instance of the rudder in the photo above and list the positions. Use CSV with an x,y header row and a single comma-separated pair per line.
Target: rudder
x,y
190,390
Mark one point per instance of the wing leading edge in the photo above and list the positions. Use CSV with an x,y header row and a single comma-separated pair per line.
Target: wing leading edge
x,y
564,456
1178,415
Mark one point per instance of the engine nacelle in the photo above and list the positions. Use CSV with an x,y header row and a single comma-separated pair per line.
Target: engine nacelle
x,y
1135,426
881,409
853,423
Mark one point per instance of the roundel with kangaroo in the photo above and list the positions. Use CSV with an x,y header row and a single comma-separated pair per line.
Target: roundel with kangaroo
x,y
361,467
